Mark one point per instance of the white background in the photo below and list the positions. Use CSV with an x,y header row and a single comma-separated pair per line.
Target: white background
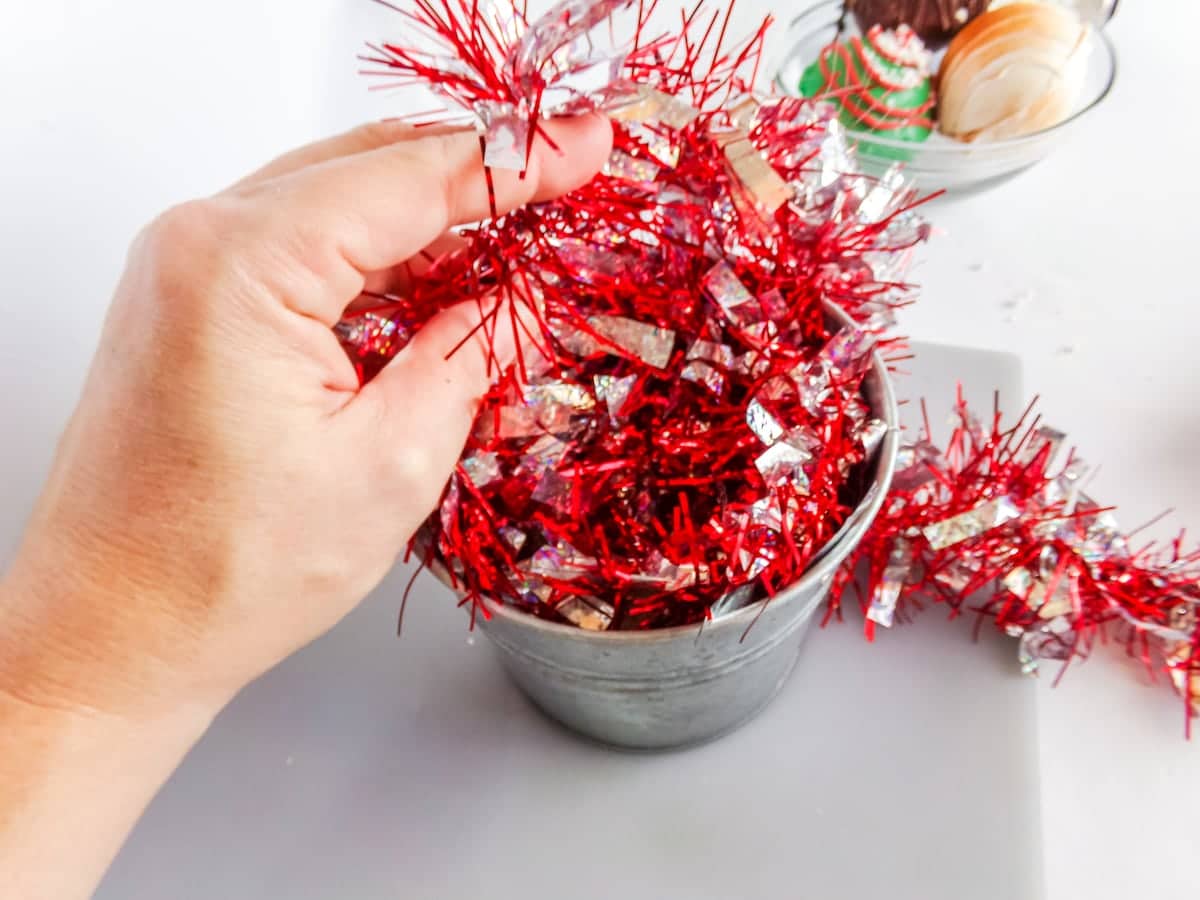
x,y
1085,266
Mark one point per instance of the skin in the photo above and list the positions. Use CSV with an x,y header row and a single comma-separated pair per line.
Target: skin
x,y
225,492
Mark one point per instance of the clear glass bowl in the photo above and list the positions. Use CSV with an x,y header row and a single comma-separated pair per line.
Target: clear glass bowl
x,y
942,162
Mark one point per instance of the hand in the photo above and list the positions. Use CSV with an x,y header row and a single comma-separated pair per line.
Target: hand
x,y
225,491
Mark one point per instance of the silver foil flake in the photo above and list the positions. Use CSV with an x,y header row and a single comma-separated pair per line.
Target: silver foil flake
x,y
830,163
637,340
781,387
757,176
373,333
560,560
563,54
661,573
848,353
764,425
1065,488
1042,438
549,394
768,512
814,386
857,411
675,213
1051,641
742,111
448,510
657,143
628,168
1182,618
805,439
728,292
1060,600
589,264
970,524
1019,581
872,434
880,315
531,590
482,467
754,363
1035,591
784,463
1047,562
574,341
896,574
707,363
880,199
527,421
554,490
590,85
588,613
1101,535
514,537
774,305
544,453
958,574
754,564
761,334
505,136
613,392
1184,670
650,105
727,521
904,229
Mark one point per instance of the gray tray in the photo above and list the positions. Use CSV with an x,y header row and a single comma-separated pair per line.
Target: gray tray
x,y
367,768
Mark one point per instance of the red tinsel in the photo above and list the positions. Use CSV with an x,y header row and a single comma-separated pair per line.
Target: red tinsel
x,y
692,431
998,524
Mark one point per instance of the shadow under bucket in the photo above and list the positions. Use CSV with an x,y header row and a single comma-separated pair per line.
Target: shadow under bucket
x,y
673,687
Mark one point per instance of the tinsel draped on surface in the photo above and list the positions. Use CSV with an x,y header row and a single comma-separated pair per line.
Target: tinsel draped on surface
x,y
691,430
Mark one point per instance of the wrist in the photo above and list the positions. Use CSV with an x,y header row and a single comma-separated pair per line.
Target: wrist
x,y
73,780
79,640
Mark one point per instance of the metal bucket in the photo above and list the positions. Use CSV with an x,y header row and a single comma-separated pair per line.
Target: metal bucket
x,y
655,690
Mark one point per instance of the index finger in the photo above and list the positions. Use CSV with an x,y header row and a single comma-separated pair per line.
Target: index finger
x,y
373,210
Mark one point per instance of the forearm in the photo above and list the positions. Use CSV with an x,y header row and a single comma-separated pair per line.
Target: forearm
x,y
73,778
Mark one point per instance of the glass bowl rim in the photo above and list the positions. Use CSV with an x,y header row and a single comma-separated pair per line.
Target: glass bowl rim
x,y
956,147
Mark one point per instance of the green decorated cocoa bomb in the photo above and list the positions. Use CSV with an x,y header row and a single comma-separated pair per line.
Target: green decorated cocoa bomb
x,y
880,83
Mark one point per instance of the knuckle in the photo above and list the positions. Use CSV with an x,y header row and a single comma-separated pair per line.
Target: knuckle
x,y
185,226
192,249
407,465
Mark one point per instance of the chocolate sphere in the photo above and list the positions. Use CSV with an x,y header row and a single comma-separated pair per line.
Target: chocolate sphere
x,y
934,21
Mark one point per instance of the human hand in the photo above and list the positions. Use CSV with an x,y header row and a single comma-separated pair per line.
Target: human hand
x,y
225,491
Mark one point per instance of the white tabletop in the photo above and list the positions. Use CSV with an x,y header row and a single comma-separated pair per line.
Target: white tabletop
x,y
1083,266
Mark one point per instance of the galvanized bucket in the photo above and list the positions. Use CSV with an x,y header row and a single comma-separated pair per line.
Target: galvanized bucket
x,y
680,686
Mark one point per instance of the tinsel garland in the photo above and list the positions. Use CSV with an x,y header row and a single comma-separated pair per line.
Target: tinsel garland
x,y
691,431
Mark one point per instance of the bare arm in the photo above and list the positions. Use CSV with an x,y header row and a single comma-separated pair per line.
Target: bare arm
x,y
225,492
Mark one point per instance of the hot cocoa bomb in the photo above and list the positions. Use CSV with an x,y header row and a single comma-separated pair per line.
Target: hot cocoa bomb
x,y
934,21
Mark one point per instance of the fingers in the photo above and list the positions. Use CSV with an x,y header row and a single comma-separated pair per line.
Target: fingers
x,y
424,401
397,279
362,139
375,209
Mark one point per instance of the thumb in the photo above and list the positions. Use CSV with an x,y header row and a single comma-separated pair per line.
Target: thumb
x,y
427,397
